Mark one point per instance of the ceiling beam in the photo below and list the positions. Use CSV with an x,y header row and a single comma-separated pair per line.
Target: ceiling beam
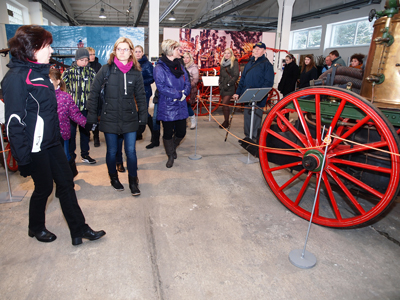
x,y
329,10
228,12
141,11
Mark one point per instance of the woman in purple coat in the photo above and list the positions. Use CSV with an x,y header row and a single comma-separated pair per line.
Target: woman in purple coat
x,y
173,84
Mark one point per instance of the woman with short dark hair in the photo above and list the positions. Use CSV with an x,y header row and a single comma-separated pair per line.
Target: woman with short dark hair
x,y
34,133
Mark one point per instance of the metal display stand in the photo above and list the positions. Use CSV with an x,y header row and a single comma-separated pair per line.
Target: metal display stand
x,y
210,81
253,96
195,156
8,197
302,258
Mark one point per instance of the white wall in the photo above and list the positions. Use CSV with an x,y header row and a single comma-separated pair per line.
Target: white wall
x,y
345,52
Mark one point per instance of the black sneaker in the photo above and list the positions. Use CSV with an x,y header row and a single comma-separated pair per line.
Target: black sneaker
x,y
88,159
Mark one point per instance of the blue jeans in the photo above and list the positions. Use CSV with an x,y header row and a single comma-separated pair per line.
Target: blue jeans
x,y
130,151
119,158
66,149
190,109
156,124
84,143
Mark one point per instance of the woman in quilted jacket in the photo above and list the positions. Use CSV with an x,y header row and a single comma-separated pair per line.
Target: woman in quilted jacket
x,y
173,84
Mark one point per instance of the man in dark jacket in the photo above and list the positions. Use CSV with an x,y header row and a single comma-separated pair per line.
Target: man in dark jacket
x,y
258,73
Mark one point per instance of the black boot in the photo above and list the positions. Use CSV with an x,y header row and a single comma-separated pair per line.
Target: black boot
x,y
155,139
96,137
115,182
134,185
169,149
89,234
177,141
72,165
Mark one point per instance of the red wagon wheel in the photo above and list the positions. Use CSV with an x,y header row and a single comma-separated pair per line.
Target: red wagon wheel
x,y
273,98
358,183
204,105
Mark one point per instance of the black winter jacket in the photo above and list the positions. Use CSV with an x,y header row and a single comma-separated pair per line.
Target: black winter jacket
x,y
305,77
119,114
95,65
30,109
289,78
147,73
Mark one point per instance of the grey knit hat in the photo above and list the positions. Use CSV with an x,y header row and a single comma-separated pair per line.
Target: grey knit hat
x,y
81,53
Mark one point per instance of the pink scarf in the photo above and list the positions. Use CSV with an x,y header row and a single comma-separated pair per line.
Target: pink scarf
x,y
124,68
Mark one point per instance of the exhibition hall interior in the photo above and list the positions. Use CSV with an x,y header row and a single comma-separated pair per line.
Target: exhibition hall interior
x,y
200,150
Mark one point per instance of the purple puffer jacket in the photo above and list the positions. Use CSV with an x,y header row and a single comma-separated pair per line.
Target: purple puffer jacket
x,y
67,109
170,88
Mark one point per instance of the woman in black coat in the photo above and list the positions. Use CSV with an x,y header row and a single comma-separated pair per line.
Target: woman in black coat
x,y
308,71
123,110
34,133
290,75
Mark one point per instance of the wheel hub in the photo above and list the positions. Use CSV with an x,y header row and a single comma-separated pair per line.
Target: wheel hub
x,y
312,160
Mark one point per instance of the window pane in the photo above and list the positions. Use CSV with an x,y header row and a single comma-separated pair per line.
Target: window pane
x,y
314,38
300,40
344,34
364,33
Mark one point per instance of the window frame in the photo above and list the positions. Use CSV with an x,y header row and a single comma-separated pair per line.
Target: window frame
x,y
308,30
332,30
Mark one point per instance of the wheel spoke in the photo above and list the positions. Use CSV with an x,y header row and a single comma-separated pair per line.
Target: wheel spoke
x,y
297,163
282,152
347,192
331,196
303,189
318,119
303,123
292,179
360,165
300,136
349,132
343,150
285,140
338,113
356,181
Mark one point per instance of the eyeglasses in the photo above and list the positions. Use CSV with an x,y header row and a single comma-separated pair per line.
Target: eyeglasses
x,y
123,50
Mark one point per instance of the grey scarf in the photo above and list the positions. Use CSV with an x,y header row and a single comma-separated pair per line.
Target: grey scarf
x,y
226,63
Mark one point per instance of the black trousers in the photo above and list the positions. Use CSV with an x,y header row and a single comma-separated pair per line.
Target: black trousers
x,y
174,127
48,165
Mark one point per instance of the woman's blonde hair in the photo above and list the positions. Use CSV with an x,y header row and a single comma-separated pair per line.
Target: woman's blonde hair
x,y
168,46
141,48
232,57
191,57
131,57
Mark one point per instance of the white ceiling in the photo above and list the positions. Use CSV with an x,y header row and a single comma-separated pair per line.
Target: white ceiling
x,y
251,15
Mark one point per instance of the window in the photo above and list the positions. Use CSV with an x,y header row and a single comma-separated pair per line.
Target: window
x,y
14,15
306,38
353,33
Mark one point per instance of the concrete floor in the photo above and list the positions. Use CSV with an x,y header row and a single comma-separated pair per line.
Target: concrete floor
x,y
205,229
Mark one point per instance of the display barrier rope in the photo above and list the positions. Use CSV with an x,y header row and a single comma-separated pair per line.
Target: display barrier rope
x,y
328,138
